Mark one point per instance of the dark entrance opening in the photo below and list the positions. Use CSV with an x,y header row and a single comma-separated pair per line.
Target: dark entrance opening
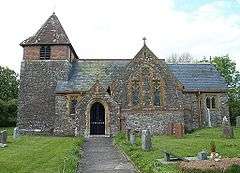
x,y
97,119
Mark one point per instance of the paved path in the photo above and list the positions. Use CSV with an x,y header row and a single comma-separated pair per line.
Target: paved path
x,y
100,156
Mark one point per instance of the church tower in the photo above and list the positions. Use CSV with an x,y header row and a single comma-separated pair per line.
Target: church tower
x,y
47,58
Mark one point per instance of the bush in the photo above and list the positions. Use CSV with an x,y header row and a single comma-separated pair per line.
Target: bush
x,y
8,113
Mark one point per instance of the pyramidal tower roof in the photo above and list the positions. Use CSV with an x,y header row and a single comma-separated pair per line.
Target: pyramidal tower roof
x,y
51,32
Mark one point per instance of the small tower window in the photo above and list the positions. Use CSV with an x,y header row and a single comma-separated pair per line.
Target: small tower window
x,y
73,106
45,52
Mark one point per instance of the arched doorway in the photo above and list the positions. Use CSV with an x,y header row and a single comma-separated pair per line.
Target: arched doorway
x,y
97,119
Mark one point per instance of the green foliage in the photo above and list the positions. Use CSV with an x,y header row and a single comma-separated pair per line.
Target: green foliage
x,y
8,84
227,68
188,146
40,154
8,97
8,112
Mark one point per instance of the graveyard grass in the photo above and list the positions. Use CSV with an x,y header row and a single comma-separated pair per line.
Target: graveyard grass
x,y
40,154
190,145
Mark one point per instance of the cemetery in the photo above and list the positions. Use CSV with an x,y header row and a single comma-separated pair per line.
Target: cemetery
x,y
206,150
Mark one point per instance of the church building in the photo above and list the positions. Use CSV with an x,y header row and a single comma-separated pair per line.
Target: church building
x,y
63,94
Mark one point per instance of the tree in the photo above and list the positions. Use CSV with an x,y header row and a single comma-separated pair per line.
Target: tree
x,y
184,58
227,68
8,96
8,84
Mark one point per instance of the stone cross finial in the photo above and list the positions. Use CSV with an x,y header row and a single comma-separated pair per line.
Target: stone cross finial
x,y
144,40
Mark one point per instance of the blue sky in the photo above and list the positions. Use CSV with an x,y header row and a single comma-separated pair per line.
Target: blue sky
x,y
115,28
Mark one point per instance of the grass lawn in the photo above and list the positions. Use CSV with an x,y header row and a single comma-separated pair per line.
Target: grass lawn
x,y
40,154
190,145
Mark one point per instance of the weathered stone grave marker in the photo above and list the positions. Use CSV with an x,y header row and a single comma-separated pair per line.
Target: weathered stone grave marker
x,y
132,138
179,130
146,140
202,155
227,129
238,121
3,138
16,133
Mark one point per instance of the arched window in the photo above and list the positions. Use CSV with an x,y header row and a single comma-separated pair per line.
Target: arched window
x,y
208,102
45,52
135,93
73,106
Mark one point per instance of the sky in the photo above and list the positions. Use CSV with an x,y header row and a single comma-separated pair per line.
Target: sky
x,y
115,28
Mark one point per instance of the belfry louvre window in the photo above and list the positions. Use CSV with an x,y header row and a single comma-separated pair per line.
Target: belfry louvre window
x,y
45,52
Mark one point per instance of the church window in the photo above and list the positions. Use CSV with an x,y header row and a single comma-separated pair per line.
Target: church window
x,y
135,93
208,102
45,52
156,94
109,90
213,103
73,106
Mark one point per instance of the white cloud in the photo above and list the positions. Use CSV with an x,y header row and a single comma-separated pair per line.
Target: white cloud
x,y
114,29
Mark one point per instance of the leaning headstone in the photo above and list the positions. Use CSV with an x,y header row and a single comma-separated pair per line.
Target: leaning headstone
x,y
16,133
146,140
238,121
202,155
128,131
3,137
228,132
132,138
170,129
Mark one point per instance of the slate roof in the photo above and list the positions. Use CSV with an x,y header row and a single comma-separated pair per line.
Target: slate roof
x,y
85,73
51,32
199,77
194,77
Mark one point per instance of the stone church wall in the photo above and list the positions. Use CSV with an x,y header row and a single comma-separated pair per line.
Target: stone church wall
x,y
38,80
156,121
64,123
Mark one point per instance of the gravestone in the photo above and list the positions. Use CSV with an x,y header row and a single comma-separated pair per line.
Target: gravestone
x,y
132,138
228,132
178,130
128,131
3,137
16,133
202,155
146,140
238,121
